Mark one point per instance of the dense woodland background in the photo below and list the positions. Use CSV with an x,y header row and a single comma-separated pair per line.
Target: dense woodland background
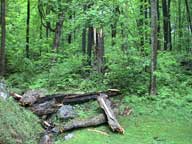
x,y
141,47
96,44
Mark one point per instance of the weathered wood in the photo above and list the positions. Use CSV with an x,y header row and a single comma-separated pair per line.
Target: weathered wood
x,y
45,108
106,106
36,98
76,98
77,123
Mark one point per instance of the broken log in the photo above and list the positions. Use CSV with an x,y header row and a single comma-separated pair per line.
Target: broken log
x,y
82,123
35,99
46,108
76,98
77,123
111,118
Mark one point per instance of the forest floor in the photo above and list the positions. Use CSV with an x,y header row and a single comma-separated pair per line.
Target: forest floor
x,y
148,124
153,121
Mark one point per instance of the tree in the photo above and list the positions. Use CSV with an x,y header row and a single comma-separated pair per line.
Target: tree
x,y
58,30
27,29
99,49
154,41
3,36
188,14
166,24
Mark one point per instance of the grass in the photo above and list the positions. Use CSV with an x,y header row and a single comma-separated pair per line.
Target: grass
x,y
149,124
17,125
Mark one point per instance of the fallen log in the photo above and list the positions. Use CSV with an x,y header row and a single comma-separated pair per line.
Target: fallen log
x,y
30,100
46,108
111,118
77,123
76,98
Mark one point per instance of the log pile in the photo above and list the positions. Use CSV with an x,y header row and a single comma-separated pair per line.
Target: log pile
x,y
46,105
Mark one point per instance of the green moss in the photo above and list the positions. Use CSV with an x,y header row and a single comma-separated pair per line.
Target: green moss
x,y
17,125
139,130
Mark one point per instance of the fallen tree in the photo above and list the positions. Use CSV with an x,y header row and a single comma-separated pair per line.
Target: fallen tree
x,y
49,104
105,104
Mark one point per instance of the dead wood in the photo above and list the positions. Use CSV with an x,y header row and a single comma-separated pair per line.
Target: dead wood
x,y
111,118
77,123
76,98
45,108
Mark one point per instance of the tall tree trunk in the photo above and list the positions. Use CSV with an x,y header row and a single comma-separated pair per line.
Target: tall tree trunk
x,y
58,30
188,15
99,50
47,23
179,25
169,26
27,29
146,7
69,40
3,36
158,26
140,25
90,44
84,32
116,13
165,24
154,41
84,40
40,37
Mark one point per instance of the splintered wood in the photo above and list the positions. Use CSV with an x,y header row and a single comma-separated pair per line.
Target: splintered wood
x,y
111,118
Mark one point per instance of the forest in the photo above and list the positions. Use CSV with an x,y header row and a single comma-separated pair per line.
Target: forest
x,y
120,70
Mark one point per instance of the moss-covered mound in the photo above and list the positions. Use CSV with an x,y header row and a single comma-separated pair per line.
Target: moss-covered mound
x,y
17,125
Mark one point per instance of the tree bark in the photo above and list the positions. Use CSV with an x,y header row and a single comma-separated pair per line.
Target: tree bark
x,y
158,27
154,41
27,29
167,24
84,40
140,26
3,38
90,44
58,30
188,14
99,50
179,24
105,104
116,13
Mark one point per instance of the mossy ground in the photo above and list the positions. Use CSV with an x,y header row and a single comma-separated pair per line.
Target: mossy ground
x,y
153,121
18,125
148,124
140,130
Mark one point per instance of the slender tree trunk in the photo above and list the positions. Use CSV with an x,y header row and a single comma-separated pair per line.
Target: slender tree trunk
x,y
188,14
99,50
154,41
58,30
27,29
179,24
141,26
70,34
158,26
84,40
116,13
169,26
40,37
47,23
146,7
90,44
3,37
165,23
